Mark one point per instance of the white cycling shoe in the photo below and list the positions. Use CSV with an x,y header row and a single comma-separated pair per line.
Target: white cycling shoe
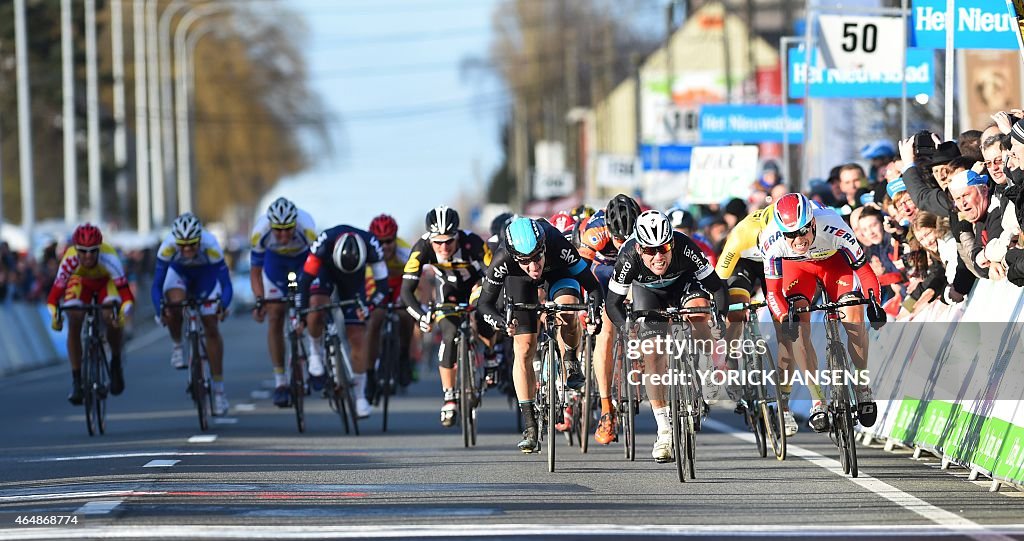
x,y
220,404
790,422
178,358
662,452
363,408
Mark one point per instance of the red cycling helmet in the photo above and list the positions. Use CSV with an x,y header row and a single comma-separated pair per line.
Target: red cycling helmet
x,y
384,227
563,222
87,235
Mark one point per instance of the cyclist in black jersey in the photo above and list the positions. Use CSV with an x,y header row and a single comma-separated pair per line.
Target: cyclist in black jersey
x,y
534,254
458,259
664,268
338,260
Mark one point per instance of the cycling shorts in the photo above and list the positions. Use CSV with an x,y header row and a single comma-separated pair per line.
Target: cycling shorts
x,y
275,273
800,278
200,282
677,294
80,291
746,279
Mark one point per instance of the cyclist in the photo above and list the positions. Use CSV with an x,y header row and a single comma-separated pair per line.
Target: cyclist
x,y
802,246
338,260
663,268
91,267
600,240
396,252
280,243
684,222
190,260
458,259
497,226
564,223
533,253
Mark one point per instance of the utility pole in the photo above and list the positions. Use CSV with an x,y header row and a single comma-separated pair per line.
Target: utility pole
x,y
120,138
28,199
92,100
67,61
159,191
143,204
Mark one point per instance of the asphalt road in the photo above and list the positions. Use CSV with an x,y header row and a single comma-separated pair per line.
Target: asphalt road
x,y
260,479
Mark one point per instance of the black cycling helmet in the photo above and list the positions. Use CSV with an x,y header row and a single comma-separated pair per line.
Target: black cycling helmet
x,y
621,215
442,221
349,253
500,221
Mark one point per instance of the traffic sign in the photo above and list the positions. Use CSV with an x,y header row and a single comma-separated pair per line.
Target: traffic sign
x,y
858,42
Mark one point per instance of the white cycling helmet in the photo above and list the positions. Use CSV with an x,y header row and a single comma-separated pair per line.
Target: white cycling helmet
x,y
186,228
282,214
653,228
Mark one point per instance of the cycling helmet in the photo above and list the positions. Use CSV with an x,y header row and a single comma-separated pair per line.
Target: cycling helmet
x,y
563,222
681,218
384,227
581,211
87,235
187,229
349,253
653,229
621,215
524,238
282,214
500,221
442,221
793,212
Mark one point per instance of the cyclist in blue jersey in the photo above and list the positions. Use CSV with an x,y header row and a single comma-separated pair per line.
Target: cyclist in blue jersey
x,y
190,262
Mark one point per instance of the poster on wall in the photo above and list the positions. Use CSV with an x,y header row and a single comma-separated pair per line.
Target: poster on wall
x,y
990,83
720,173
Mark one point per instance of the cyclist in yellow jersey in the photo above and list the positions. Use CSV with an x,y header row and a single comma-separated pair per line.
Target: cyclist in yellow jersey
x,y
396,253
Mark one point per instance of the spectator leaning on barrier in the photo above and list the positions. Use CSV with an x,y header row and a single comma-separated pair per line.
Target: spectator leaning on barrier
x,y
971,193
994,150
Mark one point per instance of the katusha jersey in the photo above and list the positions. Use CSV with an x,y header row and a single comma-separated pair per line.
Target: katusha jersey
x,y
262,240
832,235
108,266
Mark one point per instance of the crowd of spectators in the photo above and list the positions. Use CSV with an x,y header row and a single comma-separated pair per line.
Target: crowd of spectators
x,y
934,216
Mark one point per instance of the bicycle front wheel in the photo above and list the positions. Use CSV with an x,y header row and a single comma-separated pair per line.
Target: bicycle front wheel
x,y
195,372
586,409
298,386
465,391
553,400
771,405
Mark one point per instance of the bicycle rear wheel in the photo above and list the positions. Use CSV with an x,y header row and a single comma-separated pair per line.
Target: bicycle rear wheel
x,y
102,388
693,402
387,370
630,410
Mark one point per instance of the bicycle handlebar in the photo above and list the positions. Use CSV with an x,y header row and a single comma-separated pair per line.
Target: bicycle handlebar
x,y
190,302
829,306
549,306
746,306
333,305
116,305
673,311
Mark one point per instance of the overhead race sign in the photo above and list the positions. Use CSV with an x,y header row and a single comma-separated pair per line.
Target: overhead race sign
x,y
865,83
719,173
857,43
980,24
750,123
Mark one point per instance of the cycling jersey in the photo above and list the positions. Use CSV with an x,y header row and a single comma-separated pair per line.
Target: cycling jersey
x,y
458,274
832,236
595,241
688,263
564,269
108,270
742,241
262,240
320,264
200,275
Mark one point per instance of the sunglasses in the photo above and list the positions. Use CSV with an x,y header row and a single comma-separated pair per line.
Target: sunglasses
x,y
440,242
87,251
283,227
998,162
387,241
191,242
532,259
654,250
798,233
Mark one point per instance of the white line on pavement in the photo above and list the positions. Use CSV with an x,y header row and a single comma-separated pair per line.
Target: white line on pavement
x,y
909,502
225,421
161,463
98,507
114,455
144,340
245,407
203,438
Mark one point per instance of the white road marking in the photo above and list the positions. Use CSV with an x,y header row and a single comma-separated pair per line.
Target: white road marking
x,y
259,395
907,501
113,455
161,463
75,495
203,438
225,421
151,336
245,407
98,507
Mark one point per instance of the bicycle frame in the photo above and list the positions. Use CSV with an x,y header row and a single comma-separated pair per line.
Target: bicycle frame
x,y
468,373
762,403
94,363
194,335
340,388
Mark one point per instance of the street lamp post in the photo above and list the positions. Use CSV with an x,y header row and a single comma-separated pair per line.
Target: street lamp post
x,y
28,211
68,114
